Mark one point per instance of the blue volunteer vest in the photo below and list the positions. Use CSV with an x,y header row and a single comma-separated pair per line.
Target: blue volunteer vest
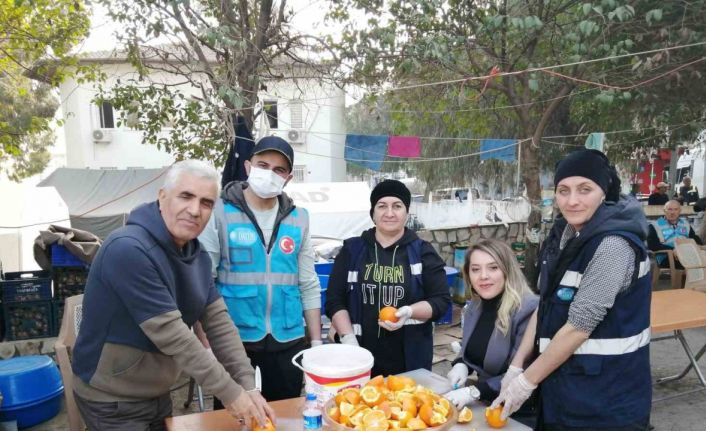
x,y
418,342
667,233
261,289
607,381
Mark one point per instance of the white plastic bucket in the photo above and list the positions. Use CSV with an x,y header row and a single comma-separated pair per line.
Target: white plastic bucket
x,y
331,367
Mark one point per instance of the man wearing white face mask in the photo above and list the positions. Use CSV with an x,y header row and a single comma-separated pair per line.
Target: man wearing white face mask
x,y
263,262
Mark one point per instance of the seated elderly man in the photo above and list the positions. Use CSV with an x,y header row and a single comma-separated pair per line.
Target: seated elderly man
x,y
664,231
659,197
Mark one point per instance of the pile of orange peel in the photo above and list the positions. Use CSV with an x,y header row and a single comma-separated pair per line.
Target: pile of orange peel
x,y
395,403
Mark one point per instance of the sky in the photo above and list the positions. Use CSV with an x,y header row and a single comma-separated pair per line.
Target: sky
x,y
309,15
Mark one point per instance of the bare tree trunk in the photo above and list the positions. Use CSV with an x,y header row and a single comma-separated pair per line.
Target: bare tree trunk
x,y
530,177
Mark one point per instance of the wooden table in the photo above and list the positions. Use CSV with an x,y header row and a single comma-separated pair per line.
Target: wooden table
x,y
674,311
289,419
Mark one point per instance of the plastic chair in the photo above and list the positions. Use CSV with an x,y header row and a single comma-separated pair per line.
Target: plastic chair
x,y
693,258
70,323
676,275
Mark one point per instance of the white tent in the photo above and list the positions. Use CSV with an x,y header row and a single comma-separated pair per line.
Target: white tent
x,y
30,206
336,210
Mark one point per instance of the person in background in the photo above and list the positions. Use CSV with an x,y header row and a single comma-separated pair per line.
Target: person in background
x,y
687,193
664,231
388,265
494,322
659,197
590,335
260,242
149,283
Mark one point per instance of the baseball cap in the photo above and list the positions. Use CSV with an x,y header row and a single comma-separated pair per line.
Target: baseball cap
x,y
275,143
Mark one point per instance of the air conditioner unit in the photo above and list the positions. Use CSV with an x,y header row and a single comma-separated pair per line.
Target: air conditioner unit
x,y
102,136
296,136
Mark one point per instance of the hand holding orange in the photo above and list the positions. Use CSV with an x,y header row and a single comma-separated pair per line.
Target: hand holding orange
x,y
268,426
492,416
388,314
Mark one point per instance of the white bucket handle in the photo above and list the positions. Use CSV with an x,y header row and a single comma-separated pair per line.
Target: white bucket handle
x,y
294,360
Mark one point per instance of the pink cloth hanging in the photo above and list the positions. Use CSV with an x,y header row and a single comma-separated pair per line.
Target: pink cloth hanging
x,y
404,146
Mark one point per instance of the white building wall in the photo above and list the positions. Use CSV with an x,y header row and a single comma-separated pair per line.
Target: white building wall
x,y
321,151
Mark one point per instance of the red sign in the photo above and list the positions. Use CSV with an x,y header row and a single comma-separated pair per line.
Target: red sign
x,y
286,244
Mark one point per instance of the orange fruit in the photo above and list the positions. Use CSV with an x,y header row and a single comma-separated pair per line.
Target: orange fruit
x,y
424,398
345,420
388,314
358,415
349,395
492,416
334,413
376,381
375,420
409,405
371,395
465,415
400,383
443,405
425,413
401,416
385,407
416,424
268,426
346,408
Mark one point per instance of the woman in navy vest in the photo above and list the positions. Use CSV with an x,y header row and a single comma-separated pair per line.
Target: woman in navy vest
x,y
494,321
587,347
388,265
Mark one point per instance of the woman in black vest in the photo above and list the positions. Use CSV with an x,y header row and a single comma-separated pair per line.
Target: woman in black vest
x,y
388,265
589,349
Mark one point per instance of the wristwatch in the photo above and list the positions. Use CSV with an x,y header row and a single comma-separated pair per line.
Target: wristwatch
x,y
474,392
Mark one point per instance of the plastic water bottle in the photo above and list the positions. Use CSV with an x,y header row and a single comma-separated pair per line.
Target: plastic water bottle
x,y
312,413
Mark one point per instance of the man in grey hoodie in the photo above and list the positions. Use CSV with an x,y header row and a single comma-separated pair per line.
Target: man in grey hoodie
x,y
148,285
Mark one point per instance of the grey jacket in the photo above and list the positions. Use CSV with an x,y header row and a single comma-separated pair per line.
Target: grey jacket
x,y
501,348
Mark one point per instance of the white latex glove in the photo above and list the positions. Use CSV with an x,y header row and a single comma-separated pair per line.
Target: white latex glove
x,y
349,339
402,315
315,343
510,374
460,397
458,375
516,393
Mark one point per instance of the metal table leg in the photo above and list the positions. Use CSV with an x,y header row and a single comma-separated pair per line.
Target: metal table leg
x,y
692,363
199,394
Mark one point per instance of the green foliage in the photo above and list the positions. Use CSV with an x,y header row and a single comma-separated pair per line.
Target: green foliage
x,y
412,42
36,38
220,51
170,120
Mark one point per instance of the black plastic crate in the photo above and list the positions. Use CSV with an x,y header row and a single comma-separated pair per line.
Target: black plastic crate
x,y
69,281
26,320
60,256
26,286
57,307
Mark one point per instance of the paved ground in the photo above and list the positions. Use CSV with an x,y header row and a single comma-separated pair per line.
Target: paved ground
x,y
685,413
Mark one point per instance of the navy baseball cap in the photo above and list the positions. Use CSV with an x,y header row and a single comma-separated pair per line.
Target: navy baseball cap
x,y
275,143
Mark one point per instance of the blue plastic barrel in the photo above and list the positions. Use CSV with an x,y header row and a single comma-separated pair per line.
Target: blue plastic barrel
x,y
32,389
451,274
323,269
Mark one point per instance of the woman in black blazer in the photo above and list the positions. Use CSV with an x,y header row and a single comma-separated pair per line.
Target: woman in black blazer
x,y
494,321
